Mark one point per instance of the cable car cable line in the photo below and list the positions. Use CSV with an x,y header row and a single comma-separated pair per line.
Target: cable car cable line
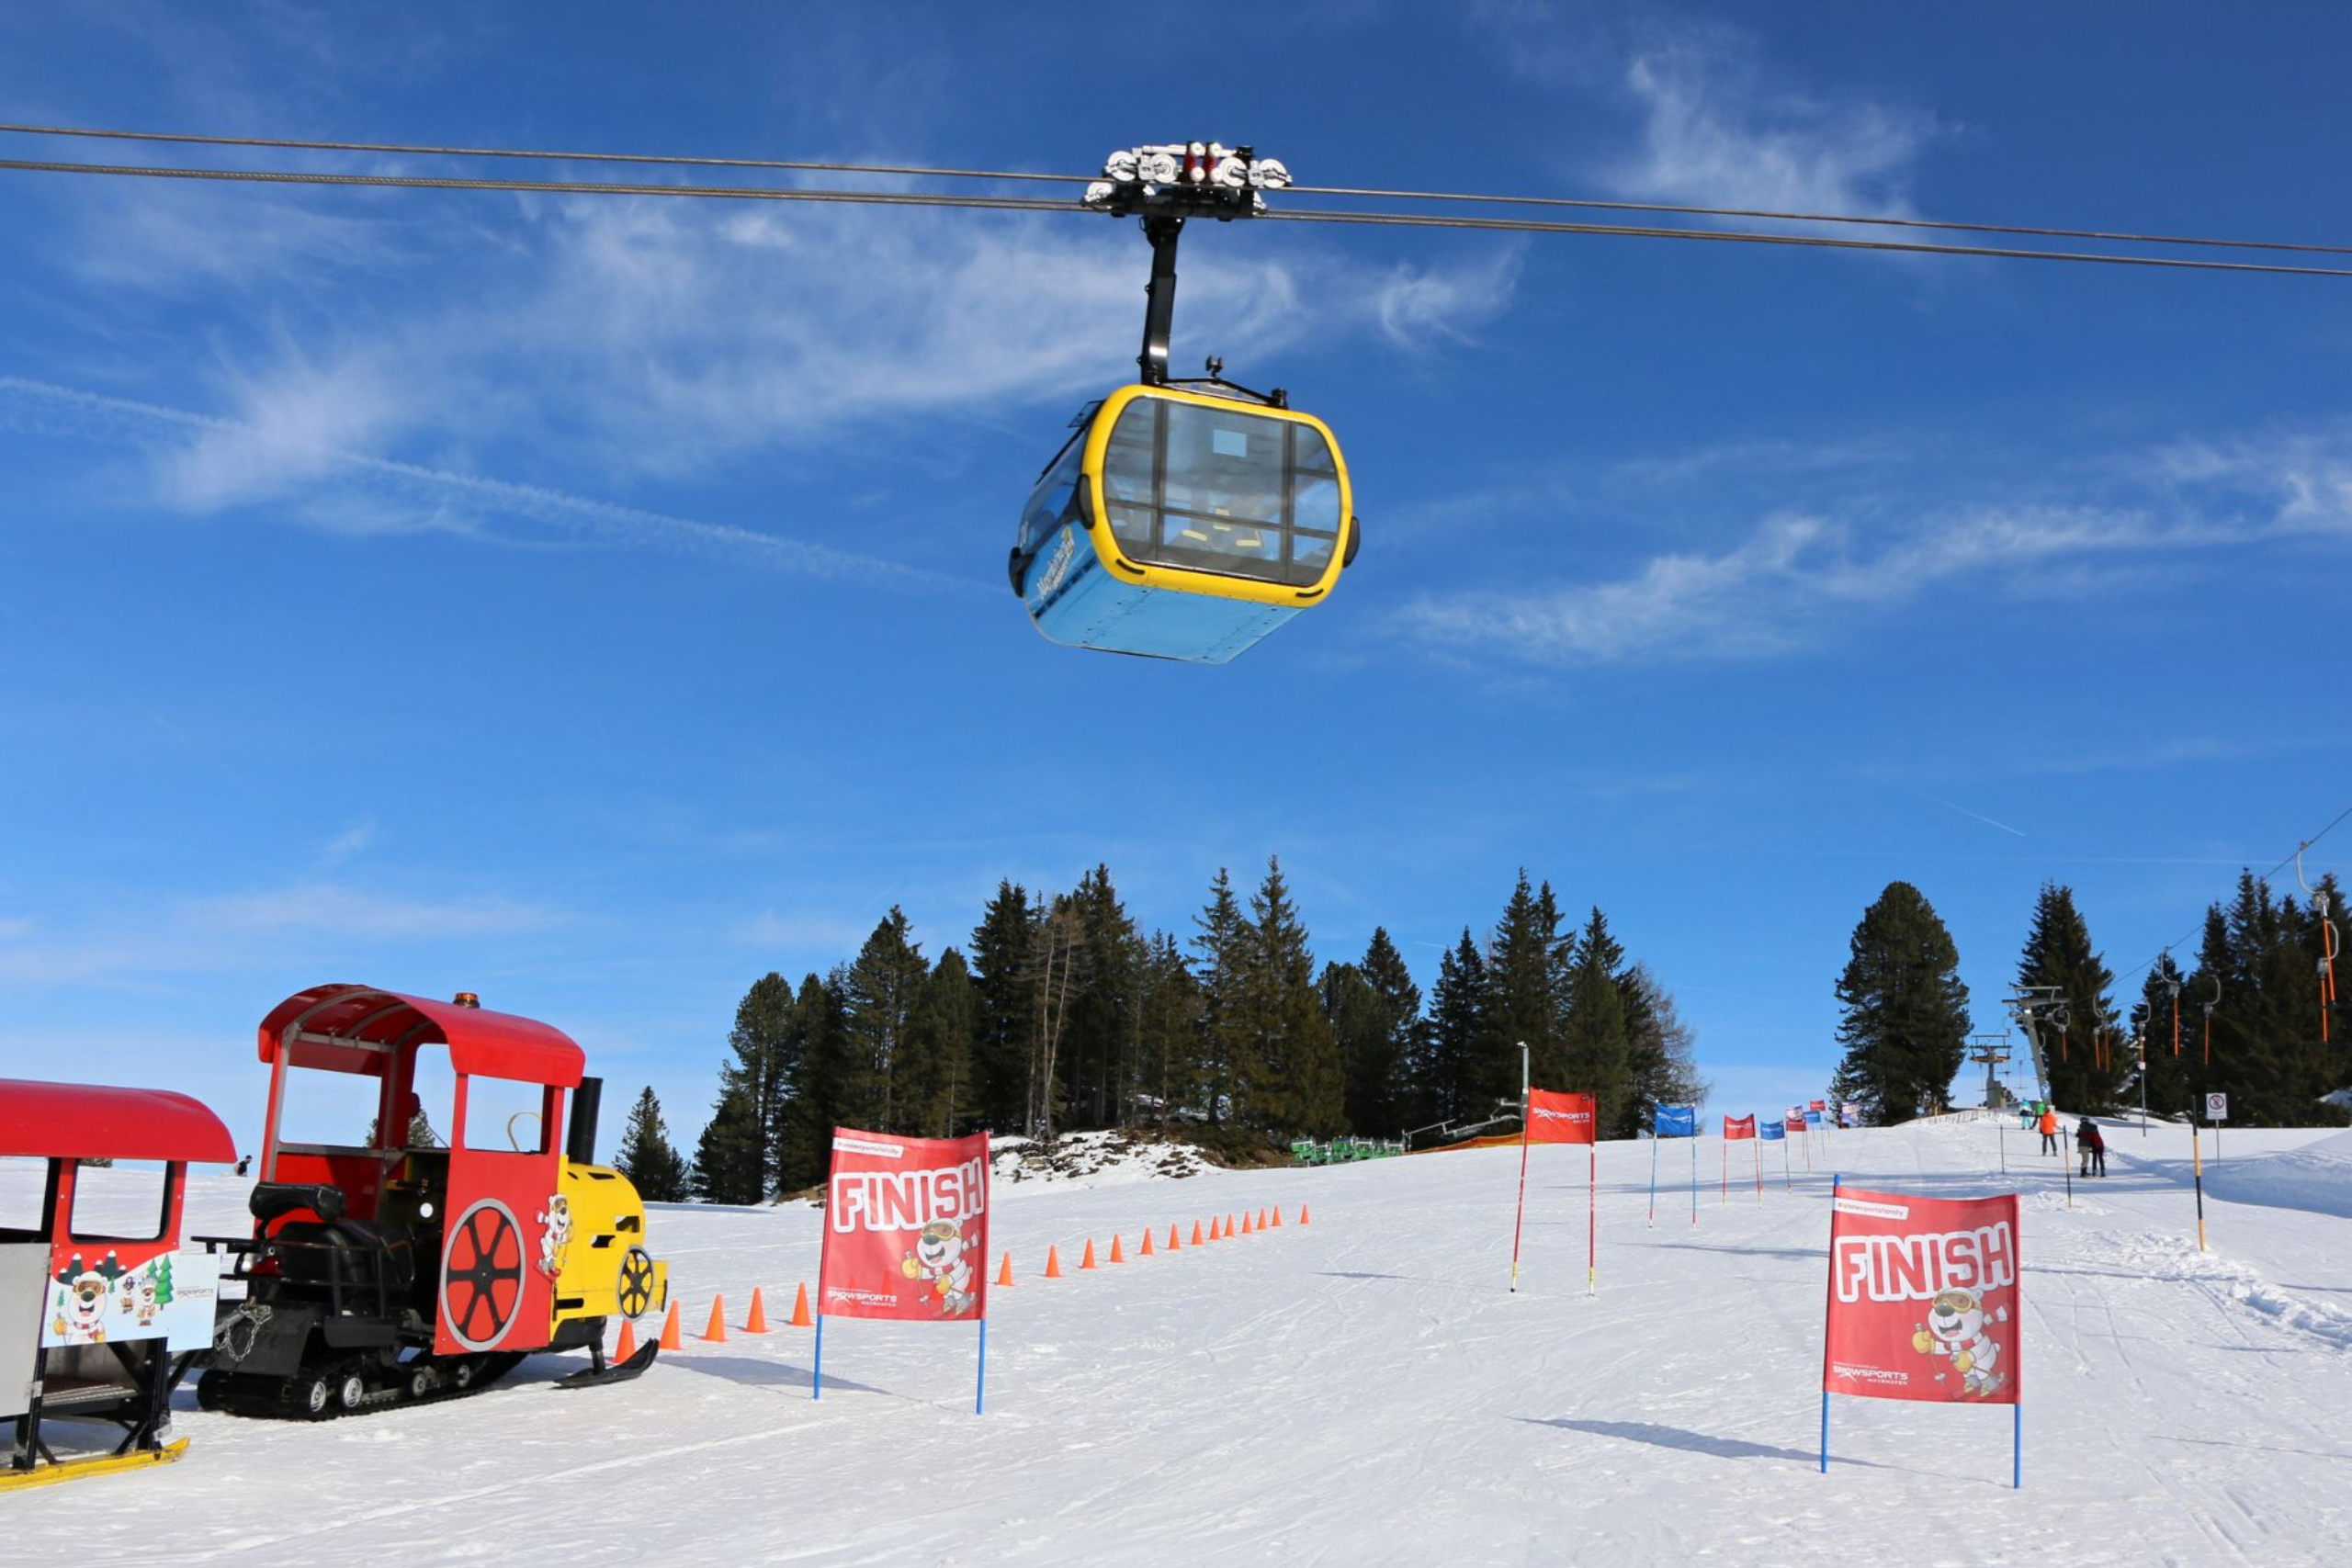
x,y
918,171
678,159
1593,203
1035,203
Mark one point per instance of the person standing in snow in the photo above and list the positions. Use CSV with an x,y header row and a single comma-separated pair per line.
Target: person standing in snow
x,y
2049,1125
2092,1145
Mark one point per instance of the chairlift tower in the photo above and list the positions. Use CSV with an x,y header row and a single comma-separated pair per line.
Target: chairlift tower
x,y
1992,1052
2036,1008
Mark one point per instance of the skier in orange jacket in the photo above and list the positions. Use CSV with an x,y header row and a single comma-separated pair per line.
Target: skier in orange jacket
x,y
2049,1125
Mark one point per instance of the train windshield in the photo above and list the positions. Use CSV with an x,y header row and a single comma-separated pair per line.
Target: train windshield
x,y
1230,491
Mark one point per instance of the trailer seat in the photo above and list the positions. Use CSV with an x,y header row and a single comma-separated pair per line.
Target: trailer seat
x,y
275,1200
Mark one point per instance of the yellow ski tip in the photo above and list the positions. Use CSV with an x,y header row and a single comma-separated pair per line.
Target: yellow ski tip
x,y
96,1464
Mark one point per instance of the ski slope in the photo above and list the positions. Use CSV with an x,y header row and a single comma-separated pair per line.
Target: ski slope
x,y
1365,1390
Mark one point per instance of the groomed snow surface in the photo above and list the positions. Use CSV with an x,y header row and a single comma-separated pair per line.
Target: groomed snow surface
x,y
1365,1390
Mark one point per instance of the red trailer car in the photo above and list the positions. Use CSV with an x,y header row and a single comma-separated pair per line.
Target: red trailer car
x,y
101,1311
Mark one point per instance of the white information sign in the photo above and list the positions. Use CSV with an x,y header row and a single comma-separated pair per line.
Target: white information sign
x,y
2217,1108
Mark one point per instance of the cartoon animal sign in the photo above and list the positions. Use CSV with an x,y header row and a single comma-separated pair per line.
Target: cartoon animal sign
x,y
1923,1297
906,1227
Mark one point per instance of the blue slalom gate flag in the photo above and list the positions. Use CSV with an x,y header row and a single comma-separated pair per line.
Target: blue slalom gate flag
x,y
1771,1132
1813,1118
1675,1122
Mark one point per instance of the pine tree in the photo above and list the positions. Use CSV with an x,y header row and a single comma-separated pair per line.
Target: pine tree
x,y
2087,1072
1906,1024
727,1156
1105,1010
1298,1086
1374,1011
1005,1009
1525,1002
817,1059
1167,1044
1456,1031
1223,941
1600,1054
646,1157
762,1042
944,1031
881,992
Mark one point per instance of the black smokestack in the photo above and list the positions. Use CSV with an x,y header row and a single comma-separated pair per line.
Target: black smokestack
x,y
580,1142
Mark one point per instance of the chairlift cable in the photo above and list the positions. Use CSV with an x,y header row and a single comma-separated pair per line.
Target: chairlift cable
x,y
918,171
1592,204
1815,241
2334,823
676,159
1037,204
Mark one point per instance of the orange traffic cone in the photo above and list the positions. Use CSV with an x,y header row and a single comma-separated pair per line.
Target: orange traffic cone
x,y
1004,1274
1197,1233
717,1332
1244,1224
1053,1263
1228,1227
1278,1216
1302,1213
1173,1244
800,1308
1116,1256
758,1322
670,1340
628,1346
1146,1249
1088,1261
1261,1219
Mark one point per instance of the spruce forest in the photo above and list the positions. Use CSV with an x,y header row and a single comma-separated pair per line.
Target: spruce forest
x,y
1059,1013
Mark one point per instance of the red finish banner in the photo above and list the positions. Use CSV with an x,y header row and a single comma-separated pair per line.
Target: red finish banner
x,y
906,1228
1738,1127
1923,1298
1558,1118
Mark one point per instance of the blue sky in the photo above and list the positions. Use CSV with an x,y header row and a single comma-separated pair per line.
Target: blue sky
x,y
596,603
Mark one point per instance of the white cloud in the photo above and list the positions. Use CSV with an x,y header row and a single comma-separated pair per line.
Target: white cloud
x,y
1718,132
264,929
340,910
346,845
1796,579
352,491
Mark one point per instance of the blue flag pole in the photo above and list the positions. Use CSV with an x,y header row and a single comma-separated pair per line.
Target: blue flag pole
x,y
981,1394
816,1371
1825,1328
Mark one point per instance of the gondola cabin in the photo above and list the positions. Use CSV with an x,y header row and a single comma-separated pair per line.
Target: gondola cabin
x,y
1180,524
101,1310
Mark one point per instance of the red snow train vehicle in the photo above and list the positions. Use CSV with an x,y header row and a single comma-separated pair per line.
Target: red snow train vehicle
x,y
408,1268
101,1310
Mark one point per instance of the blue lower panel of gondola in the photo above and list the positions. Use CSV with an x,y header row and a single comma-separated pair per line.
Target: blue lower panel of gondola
x,y
1074,599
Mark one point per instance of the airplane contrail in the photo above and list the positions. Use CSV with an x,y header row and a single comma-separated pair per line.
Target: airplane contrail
x,y
1979,815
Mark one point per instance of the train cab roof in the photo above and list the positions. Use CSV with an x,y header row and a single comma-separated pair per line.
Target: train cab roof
x,y
357,1028
68,1121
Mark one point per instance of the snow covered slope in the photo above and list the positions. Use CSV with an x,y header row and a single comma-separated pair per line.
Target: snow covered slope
x,y
1364,1390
